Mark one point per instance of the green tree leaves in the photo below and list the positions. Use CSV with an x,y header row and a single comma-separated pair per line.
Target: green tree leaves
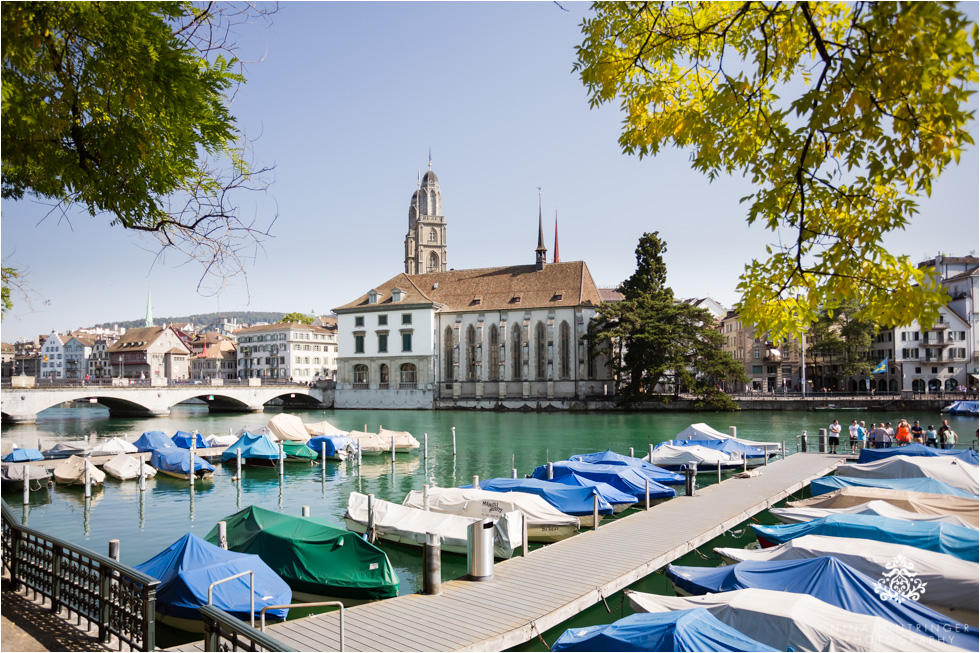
x,y
296,317
840,114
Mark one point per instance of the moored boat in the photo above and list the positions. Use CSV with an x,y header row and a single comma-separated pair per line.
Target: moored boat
x,y
403,440
966,455
576,500
297,451
788,621
287,427
544,522
187,568
177,463
949,583
949,470
258,450
72,472
335,447
702,431
369,444
317,560
930,504
831,581
649,470
126,467
403,525
79,448
791,515
963,408
753,456
183,440
113,446
23,455
154,441
323,428
14,475
928,485
672,456
622,477
958,541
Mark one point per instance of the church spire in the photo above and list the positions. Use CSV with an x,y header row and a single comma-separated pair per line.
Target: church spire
x,y
556,259
540,252
149,309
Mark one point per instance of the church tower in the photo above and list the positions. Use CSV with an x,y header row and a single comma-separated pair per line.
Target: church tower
x,y
425,243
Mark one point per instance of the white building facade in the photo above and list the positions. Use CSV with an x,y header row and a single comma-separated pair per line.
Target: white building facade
x,y
53,357
290,350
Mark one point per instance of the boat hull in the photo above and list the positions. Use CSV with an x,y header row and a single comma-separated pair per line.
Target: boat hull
x,y
201,475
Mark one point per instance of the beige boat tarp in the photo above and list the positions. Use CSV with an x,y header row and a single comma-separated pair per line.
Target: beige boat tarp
x,y
404,441
787,621
72,472
125,468
323,428
949,581
288,427
922,502
875,507
483,503
370,444
949,470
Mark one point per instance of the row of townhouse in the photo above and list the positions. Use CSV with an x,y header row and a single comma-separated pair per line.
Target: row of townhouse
x,y
301,352
938,357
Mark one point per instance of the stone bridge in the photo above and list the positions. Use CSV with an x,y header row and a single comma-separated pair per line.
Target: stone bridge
x,y
21,405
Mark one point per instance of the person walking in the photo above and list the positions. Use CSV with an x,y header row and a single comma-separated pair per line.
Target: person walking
x,y
834,436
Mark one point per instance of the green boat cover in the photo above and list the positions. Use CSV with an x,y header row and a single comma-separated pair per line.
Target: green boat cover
x,y
298,450
311,555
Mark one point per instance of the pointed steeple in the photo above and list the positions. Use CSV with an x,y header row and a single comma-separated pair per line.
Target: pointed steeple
x,y
540,252
556,259
430,157
149,309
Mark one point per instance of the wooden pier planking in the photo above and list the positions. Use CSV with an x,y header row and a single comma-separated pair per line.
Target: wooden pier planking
x,y
531,594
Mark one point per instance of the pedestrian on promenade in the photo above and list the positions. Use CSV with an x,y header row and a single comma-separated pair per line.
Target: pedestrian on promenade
x,y
878,435
902,435
862,436
931,436
917,432
852,431
834,436
943,435
889,435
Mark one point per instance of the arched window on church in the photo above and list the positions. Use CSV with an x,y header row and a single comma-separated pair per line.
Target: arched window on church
x,y
433,206
515,355
540,347
408,376
433,236
448,353
470,353
564,351
424,204
360,377
493,344
433,262
383,377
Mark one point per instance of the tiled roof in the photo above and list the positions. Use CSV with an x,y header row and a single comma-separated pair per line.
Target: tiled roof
x,y
6,347
962,275
280,326
490,289
611,295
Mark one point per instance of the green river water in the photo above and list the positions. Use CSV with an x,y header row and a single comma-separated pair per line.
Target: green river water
x,y
487,445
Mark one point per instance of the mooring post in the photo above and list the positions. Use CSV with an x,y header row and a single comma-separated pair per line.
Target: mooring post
x,y
650,453
719,471
732,431
238,464
27,484
88,481
425,497
370,524
783,449
647,493
551,472
432,562
323,456
595,511
476,482
223,534
359,459
745,462
305,511
114,550
454,442
524,539
392,450
690,478
631,453
765,456
513,472
142,473
425,446
282,459
191,476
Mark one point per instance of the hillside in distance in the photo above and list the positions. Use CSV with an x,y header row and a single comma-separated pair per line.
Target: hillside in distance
x,y
204,319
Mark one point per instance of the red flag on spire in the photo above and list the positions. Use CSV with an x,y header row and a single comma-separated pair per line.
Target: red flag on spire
x,y
556,260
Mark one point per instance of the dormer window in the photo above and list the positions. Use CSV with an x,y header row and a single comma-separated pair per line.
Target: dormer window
x,y
515,300
396,295
373,297
557,297
476,301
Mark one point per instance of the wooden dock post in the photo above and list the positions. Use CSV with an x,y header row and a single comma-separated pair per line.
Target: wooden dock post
x,y
745,462
27,484
513,472
783,449
392,450
650,453
527,544
223,534
732,431
432,565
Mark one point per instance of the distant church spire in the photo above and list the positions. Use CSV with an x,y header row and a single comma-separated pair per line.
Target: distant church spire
x,y
149,310
556,259
540,252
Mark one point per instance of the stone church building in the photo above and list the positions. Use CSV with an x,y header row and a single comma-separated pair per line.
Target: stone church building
x,y
501,337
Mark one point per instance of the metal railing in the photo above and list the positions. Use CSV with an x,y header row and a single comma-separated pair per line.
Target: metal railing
x,y
116,598
223,632
318,604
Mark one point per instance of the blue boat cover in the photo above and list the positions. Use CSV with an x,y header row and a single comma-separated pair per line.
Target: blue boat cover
x,y
608,457
178,460
623,478
188,566
154,440
833,582
569,499
942,537
963,408
680,630
22,456
260,446
183,440
334,444
727,446
966,455
611,494
927,485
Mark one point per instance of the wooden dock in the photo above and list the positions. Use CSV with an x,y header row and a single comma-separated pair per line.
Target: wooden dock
x,y
529,595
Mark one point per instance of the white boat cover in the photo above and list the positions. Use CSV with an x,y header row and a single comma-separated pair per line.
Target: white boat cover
x,y
126,467
875,507
404,441
370,444
949,470
287,427
949,581
72,472
221,440
788,621
672,454
16,473
702,431
113,446
323,428
922,502
409,525
483,503
65,449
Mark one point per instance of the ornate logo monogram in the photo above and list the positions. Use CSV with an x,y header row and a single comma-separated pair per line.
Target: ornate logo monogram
x,y
900,582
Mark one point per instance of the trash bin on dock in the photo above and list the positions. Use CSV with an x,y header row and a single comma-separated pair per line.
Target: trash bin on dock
x,y
479,550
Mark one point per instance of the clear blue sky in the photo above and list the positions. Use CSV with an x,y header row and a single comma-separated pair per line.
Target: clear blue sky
x,y
346,101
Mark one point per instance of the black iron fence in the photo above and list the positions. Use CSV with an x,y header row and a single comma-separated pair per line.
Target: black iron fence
x,y
114,597
223,632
